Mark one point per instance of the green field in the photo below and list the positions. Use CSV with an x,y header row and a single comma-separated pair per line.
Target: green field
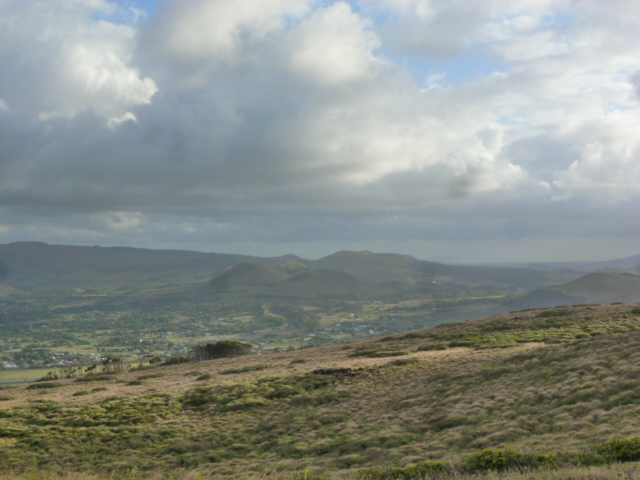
x,y
28,375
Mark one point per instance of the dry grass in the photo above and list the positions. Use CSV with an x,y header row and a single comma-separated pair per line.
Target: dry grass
x,y
610,472
273,417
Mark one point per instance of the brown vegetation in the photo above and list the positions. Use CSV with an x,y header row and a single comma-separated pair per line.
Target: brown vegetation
x,y
550,385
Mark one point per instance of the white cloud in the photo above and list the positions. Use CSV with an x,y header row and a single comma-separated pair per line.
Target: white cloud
x,y
194,41
290,121
333,46
57,60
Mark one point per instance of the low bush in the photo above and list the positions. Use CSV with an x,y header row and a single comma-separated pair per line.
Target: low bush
x,y
151,375
431,346
175,360
94,378
249,368
619,450
43,385
557,312
378,353
419,470
507,459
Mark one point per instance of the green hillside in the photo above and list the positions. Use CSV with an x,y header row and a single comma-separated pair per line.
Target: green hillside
x,y
541,390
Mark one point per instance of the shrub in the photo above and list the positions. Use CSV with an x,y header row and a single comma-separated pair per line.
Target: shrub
x,y
84,392
48,376
94,378
250,368
431,346
378,353
619,450
151,375
198,396
557,312
42,385
507,459
175,360
419,470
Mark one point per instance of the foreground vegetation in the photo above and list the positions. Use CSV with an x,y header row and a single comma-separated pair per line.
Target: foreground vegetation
x,y
627,471
537,392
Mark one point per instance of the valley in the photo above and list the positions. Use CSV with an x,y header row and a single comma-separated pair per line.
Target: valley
x,y
72,307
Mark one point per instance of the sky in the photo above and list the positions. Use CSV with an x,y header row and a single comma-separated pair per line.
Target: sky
x,y
468,131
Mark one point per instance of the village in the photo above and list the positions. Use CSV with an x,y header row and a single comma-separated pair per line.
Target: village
x,y
46,338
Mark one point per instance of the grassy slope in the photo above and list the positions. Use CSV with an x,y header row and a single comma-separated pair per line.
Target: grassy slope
x,y
538,381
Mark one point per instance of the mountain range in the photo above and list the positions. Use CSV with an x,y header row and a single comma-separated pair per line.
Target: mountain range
x,y
30,266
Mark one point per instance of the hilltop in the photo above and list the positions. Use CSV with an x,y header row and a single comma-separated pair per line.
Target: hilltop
x,y
245,276
261,280
555,387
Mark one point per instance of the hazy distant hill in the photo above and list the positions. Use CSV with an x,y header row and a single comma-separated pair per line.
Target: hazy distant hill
x,y
261,280
374,267
390,267
245,276
627,263
598,287
35,264
7,289
326,283
518,277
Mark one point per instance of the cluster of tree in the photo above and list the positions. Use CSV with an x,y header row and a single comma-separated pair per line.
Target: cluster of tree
x,y
221,349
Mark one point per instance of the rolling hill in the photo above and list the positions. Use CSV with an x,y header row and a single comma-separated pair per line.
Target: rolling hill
x,y
373,267
598,287
259,280
327,283
246,276
31,266
388,267
36,265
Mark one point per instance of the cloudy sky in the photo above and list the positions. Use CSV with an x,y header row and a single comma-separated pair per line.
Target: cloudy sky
x,y
457,131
